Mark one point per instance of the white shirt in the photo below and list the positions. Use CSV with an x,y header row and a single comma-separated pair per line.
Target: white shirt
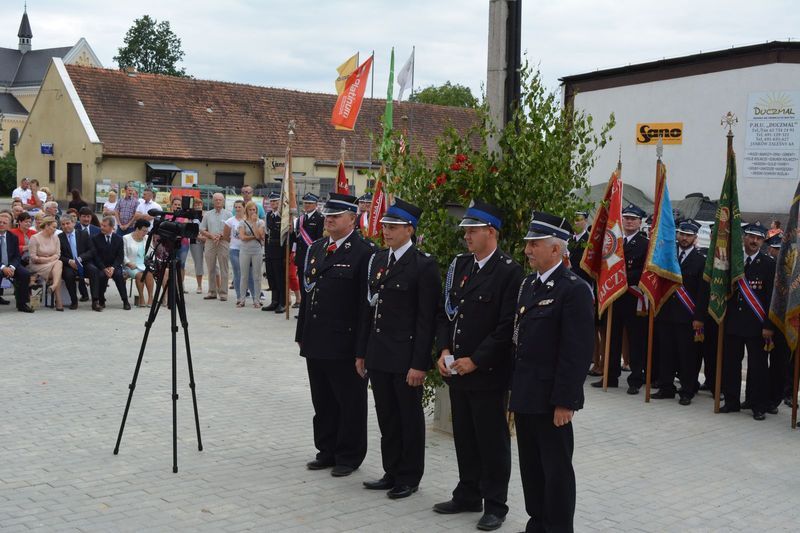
x,y
22,194
685,252
400,251
340,242
485,260
144,207
547,274
233,223
752,257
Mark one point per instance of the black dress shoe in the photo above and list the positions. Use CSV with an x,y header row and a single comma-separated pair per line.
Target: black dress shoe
x,y
280,309
633,389
663,395
3,301
745,405
773,410
612,384
73,305
685,400
401,491
454,507
758,415
787,402
342,471
270,307
126,306
490,522
25,308
729,409
594,373
316,464
96,307
384,483
84,299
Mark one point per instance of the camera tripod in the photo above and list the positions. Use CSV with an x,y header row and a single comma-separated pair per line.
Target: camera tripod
x,y
177,304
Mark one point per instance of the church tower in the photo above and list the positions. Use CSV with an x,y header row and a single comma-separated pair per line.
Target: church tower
x,y
25,34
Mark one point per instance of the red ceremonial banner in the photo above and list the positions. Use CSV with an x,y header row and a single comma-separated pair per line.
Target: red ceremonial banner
x,y
604,258
345,112
342,185
376,210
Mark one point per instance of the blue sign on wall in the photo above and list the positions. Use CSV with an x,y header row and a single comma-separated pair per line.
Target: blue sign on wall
x,y
47,148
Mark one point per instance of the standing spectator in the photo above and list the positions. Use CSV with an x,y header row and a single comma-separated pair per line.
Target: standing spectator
x,y
10,266
231,232
774,229
109,258
217,251
197,248
247,196
23,192
183,253
45,250
276,265
110,205
126,211
251,233
77,202
134,261
145,206
77,258
37,198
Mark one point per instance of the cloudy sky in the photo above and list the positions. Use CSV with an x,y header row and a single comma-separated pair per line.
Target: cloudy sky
x,y
298,44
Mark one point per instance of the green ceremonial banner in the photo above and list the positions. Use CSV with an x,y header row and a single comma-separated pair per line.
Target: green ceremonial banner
x,y
725,261
784,309
386,144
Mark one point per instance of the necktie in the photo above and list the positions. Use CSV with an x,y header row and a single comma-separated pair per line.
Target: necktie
x,y
74,248
86,230
108,239
681,256
391,259
537,284
3,250
748,261
330,249
475,268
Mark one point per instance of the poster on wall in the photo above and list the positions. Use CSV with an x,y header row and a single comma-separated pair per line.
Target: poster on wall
x,y
772,140
189,178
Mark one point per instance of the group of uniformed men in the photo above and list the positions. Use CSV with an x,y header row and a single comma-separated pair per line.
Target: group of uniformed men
x,y
375,315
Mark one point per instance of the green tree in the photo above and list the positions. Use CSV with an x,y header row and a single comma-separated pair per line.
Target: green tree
x,y
453,95
151,46
547,153
8,173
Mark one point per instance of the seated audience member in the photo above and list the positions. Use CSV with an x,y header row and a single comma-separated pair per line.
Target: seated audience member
x,y
45,257
16,210
24,232
51,209
110,206
10,266
109,258
87,222
77,256
134,261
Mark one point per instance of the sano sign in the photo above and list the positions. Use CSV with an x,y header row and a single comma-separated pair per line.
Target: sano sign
x,y
649,132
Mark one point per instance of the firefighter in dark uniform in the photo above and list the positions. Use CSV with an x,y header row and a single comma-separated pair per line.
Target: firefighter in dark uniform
x,y
331,322
473,342
554,323
577,245
747,326
275,254
673,323
362,222
310,226
629,308
403,298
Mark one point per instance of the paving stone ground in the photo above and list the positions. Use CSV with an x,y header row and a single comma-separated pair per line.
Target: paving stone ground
x,y
64,382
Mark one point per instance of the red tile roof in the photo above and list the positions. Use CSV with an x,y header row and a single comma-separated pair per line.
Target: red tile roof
x,y
163,117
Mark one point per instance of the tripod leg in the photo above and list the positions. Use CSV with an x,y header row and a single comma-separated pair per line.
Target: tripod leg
x,y
150,319
173,272
185,324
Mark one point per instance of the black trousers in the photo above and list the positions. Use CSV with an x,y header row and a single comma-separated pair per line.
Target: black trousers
x,y
72,278
625,317
545,465
483,448
276,275
339,396
778,365
757,371
102,285
402,423
21,281
678,354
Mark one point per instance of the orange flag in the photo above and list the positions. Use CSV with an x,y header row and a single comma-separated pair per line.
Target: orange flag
x,y
604,258
376,210
345,112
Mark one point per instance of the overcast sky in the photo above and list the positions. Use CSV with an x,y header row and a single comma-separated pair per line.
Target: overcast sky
x,y
298,44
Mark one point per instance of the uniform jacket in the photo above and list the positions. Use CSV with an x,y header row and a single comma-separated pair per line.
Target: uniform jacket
x,y
576,249
402,322
83,244
332,312
635,256
555,342
740,319
108,255
692,273
483,324
314,225
273,248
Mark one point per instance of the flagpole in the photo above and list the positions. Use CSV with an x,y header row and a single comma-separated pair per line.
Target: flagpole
x,y
289,188
607,347
648,372
411,112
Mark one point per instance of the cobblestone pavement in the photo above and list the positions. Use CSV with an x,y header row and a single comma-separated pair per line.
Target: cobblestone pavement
x,y
64,382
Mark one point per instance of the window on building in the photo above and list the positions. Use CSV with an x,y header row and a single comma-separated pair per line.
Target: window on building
x,y
52,170
13,139
229,179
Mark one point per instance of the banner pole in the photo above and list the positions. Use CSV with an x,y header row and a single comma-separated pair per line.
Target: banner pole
x,y
718,376
796,376
650,317
607,355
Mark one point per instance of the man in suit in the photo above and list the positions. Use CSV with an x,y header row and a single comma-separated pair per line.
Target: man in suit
x,y
77,255
109,256
275,254
10,267
629,309
674,323
554,325
746,325
331,321
85,217
473,342
310,226
403,296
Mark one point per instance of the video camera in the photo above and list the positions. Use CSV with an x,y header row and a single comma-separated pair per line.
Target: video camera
x,y
167,227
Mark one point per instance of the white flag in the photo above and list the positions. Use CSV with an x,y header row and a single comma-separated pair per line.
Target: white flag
x,y
405,75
